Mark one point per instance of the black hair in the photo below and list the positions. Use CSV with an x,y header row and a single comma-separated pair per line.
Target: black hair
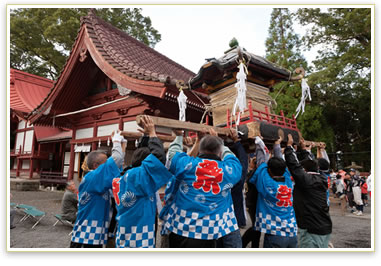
x,y
94,157
338,176
139,155
323,164
211,144
310,165
277,166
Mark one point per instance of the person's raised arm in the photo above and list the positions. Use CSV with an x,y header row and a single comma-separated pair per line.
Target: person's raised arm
x,y
261,152
176,145
277,149
292,161
321,152
154,144
119,144
196,146
239,150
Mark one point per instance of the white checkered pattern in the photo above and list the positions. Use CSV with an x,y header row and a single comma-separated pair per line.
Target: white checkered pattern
x,y
90,232
275,226
136,237
188,224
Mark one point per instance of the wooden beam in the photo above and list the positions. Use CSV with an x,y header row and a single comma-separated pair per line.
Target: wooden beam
x,y
137,135
188,126
253,129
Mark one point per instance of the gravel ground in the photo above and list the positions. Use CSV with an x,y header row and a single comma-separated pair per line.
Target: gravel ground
x,y
349,231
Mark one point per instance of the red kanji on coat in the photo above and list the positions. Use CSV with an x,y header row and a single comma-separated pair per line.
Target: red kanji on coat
x,y
116,189
208,176
284,196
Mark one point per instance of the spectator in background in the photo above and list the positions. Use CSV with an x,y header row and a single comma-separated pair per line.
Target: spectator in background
x,y
349,191
369,183
356,188
364,191
340,193
69,205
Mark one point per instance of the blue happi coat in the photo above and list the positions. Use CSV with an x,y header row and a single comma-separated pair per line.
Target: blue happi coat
x,y
134,195
274,213
94,205
198,199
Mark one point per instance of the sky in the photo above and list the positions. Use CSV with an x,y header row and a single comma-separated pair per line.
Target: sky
x,y
189,34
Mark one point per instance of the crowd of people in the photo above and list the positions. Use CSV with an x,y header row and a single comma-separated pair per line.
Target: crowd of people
x,y
352,190
287,194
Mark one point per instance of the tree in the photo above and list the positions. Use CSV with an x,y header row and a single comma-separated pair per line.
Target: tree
x,y
283,47
342,75
41,38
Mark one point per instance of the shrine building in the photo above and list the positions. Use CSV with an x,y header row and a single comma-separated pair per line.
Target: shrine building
x,y
108,79
33,148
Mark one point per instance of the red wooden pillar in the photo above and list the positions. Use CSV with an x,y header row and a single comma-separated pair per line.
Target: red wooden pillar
x,y
31,165
267,114
120,123
94,144
71,165
18,167
31,168
62,154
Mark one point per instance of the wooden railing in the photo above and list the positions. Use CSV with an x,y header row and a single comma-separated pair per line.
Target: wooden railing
x,y
48,178
266,116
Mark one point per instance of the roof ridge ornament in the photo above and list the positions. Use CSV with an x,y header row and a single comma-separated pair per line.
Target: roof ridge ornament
x,y
82,54
301,72
91,12
122,90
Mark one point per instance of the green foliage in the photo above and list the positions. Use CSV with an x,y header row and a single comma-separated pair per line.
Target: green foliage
x,y
341,78
283,47
41,38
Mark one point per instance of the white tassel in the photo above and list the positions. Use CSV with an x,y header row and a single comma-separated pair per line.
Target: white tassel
x,y
240,101
108,141
305,94
99,143
182,100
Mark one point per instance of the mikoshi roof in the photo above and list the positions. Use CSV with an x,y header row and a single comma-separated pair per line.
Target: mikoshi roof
x,y
215,70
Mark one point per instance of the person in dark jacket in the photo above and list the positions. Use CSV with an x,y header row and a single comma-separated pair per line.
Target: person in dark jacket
x,y
231,240
310,198
237,191
251,235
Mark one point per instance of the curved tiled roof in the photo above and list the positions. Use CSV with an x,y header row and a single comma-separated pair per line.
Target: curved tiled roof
x,y
216,68
131,56
125,60
27,91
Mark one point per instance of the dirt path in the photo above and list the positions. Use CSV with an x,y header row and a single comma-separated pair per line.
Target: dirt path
x,y
348,231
